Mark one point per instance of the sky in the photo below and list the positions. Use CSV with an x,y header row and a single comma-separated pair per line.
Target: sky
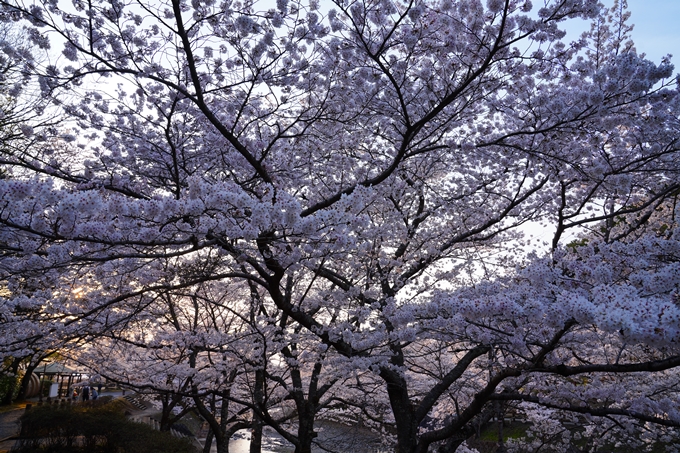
x,y
657,28
656,31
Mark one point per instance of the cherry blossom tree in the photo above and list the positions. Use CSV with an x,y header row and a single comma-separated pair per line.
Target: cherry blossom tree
x,y
186,350
24,121
369,170
201,349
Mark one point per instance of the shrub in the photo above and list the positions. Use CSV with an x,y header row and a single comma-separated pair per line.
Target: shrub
x,y
9,383
98,427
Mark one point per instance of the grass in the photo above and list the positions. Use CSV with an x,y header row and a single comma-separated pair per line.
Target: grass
x,y
513,430
488,439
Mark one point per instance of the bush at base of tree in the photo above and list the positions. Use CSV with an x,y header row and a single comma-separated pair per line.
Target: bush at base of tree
x,y
9,383
359,210
92,428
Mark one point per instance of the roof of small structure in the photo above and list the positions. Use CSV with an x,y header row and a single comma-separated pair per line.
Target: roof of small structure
x,y
56,368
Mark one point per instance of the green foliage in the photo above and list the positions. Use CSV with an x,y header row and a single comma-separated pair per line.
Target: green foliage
x,y
99,427
9,383
45,385
576,243
514,430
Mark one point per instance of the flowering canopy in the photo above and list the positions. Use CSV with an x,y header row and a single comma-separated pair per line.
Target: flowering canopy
x,y
362,174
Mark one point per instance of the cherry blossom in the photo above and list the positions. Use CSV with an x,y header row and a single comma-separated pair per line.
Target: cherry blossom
x,y
276,213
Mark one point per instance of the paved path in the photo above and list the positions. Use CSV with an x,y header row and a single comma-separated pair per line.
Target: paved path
x,y
9,427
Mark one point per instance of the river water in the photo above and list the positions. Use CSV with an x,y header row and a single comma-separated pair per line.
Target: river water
x,y
333,437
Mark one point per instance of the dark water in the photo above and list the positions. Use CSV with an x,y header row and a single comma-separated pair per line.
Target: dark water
x,y
333,437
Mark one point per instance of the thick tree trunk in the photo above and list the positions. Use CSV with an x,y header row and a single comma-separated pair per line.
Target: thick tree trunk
x,y
256,436
306,432
207,446
407,439
165,414
258,397
222,438
404,416
211,433
25,380
223,447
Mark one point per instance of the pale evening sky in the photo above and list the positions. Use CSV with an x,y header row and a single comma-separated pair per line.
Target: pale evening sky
x,y
657,28
656,32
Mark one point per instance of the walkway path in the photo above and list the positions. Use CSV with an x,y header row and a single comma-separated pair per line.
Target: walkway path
x,y
9,427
